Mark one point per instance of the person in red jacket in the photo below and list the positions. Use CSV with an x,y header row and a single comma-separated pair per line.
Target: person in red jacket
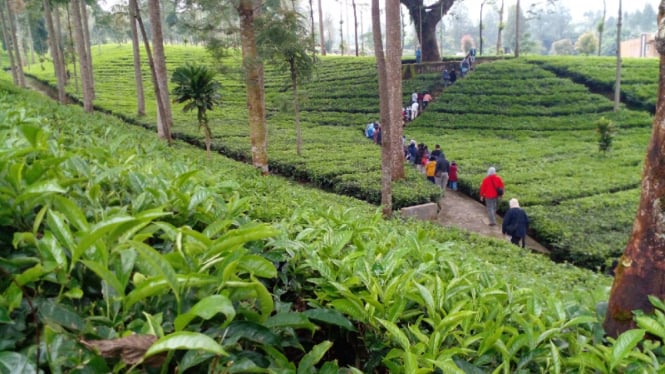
x,y
491,190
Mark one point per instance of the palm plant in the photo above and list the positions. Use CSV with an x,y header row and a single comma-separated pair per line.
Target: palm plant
x,y
197,88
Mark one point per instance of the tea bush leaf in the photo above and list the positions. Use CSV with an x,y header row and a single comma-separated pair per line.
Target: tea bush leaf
x,y
157,266
651,326
330,317
397,334
14,362
207,308
60,315
39,190
556,358
185,340
106,275
308,362
71,211
623,345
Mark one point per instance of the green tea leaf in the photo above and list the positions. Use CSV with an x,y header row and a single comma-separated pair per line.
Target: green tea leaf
x,y
624,344
185,340
14,362
207,308
331,317
106,275
652,326
158,265
313,357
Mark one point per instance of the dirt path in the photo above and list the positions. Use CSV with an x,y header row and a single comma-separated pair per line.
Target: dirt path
x,y
461,211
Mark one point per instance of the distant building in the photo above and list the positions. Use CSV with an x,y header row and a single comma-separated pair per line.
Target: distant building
x,y
640,47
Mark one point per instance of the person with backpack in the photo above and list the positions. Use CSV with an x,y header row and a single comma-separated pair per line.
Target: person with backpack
x,y
515,223
442,171
491,190
430,169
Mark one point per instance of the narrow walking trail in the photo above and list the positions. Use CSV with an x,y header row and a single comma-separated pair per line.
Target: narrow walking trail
x,y
461,211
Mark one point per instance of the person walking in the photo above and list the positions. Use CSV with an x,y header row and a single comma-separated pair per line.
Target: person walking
x,y
515,223
442,171
452,171
491,190
430,169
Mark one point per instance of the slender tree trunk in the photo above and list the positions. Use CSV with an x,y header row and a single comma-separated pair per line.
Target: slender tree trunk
x,y
11,19
88,46
55,52
601,29
138,76
31,48
59,41
82,52
248,10
355,24
617,82
394,86
641,270
73,52
311,20
386,179
321,37
517,29
165,122
499,48
296,106
10,51
480,29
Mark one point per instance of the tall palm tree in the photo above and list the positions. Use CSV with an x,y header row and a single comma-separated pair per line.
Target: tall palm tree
x,y
138,75
197,88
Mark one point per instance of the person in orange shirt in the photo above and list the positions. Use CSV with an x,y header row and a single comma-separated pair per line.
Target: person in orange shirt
x,y
491,190
430,169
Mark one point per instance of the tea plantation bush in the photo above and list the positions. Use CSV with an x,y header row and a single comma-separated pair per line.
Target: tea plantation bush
x,y
108,231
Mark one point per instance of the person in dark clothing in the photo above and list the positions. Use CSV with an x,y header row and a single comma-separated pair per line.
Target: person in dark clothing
x,y
515,223
437,151
453,76
412,150
442,171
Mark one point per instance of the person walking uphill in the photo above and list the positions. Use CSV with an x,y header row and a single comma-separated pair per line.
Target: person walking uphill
x,y
515,223
491,189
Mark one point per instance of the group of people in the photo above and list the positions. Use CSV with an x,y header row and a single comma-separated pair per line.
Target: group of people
x,y
515,221
434,164
419,101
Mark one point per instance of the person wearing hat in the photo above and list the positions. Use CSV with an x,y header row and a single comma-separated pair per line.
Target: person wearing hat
x,y
515,223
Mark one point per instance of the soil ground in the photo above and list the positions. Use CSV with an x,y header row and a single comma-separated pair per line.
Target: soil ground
x,y
461,211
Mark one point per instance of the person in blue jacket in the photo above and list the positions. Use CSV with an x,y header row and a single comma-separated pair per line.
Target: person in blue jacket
x,y
515,223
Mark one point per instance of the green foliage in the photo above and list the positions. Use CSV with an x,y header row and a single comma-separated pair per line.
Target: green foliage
x,y
237,271
587,43
606,131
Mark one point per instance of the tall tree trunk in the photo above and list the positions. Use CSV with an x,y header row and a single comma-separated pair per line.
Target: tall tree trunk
x,y
165,121
355,24
88,46
480,29
11,20
82,52
601,29
31,48
248,10
6,35
386,169
138,76
72,52
641,270
162,132
517,29
311,20
60,42
55,52
425,19
321,37
499,48
296,106
617,81
394,86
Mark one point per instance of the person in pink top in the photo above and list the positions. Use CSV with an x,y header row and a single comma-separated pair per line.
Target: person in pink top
x,y
426,99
